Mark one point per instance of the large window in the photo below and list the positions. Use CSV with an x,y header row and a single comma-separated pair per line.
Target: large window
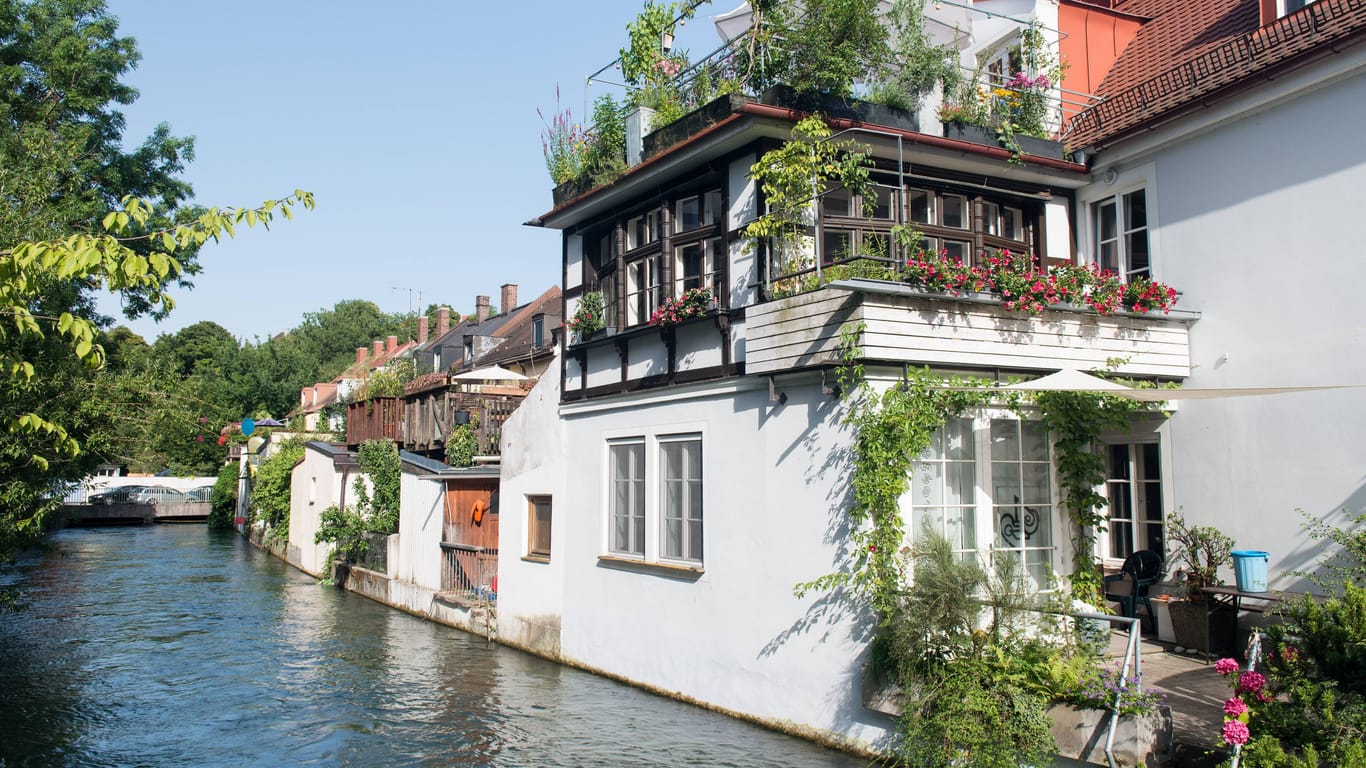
x,y
961,223
659,260
680,497
697,265
626,472
1134,490
656,501
988,474
1120,225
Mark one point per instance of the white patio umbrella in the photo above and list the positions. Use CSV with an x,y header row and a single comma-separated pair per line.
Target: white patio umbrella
x,y
489,373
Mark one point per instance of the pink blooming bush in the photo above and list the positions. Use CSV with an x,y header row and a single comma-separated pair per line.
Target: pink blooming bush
x,y
691,303
1020,282
1237,710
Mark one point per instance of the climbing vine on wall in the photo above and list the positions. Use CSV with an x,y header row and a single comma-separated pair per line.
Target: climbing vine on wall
x,y
378,459
891,428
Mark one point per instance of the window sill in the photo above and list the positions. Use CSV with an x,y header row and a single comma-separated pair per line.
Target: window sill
x,y
669,570
543,559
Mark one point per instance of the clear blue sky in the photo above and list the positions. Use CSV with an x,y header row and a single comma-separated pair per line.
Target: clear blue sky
x,y
414,124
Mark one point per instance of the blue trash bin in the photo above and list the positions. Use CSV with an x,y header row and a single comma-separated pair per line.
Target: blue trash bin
x,y
1249,567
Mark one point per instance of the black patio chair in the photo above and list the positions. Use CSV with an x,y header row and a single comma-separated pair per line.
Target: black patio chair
x,y
1142,569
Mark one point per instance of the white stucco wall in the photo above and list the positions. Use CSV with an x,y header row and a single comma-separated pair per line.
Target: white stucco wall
x,y
1252,224
314,486
534,463
733,636
420,519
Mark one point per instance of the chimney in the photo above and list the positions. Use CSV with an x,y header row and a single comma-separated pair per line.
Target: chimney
x,y
422,330
509,297
391,345
303,397
481,308
378,347
360,355
443,321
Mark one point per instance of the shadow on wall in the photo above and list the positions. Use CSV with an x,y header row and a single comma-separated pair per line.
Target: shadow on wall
x,y
1313,555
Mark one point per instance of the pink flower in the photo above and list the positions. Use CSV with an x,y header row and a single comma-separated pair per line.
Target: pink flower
x,y
1226,666
1264,696
1234,707
1236,732
1251,682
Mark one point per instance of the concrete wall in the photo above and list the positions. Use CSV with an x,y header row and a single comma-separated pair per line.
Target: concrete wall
x,y
534,463
731,635
315,485
1251,220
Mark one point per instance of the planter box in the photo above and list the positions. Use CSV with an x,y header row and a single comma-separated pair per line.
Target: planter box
x,y
849,109
977,134
1080,735
662,137
571,189
1208,629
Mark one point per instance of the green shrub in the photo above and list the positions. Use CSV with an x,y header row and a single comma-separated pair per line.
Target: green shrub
x,y
223,497
270,494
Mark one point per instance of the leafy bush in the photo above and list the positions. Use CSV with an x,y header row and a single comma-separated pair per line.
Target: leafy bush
x,y
223,497
376,509
270,494
462,446
1312,709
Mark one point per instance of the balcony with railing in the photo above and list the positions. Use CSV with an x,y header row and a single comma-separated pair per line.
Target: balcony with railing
x,y
375,418
435,404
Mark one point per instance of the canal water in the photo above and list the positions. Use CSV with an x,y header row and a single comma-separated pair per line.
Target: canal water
x,y
176,646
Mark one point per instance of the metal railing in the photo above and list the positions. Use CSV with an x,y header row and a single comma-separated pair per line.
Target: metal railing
x,y
468,571
376,555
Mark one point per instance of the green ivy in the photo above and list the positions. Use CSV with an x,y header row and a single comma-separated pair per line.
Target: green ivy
x,y
1074,420
791,178
375,511
223,497
378,459
270,493
462,446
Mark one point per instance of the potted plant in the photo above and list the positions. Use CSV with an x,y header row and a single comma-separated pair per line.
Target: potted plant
x,y
695,302
589,316
1197,622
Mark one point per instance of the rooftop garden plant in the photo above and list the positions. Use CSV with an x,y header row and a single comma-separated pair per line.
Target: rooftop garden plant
x,y
1202,549
1024,286
695,302
589,315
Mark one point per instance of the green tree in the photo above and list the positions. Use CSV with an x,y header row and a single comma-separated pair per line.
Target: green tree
x,y
186,349
78,214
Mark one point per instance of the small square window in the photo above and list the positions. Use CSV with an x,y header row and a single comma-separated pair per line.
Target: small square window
x,y
538,526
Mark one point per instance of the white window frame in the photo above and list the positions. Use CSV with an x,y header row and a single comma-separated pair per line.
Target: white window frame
x,y
1111,185
984,507
637,538
655,532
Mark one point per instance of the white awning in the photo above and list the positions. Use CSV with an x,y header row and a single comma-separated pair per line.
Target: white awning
x,y
490,373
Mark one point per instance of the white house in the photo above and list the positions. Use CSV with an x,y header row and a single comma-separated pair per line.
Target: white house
x,y
1225,159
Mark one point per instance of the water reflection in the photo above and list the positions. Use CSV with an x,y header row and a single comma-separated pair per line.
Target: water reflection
x,y
170,646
